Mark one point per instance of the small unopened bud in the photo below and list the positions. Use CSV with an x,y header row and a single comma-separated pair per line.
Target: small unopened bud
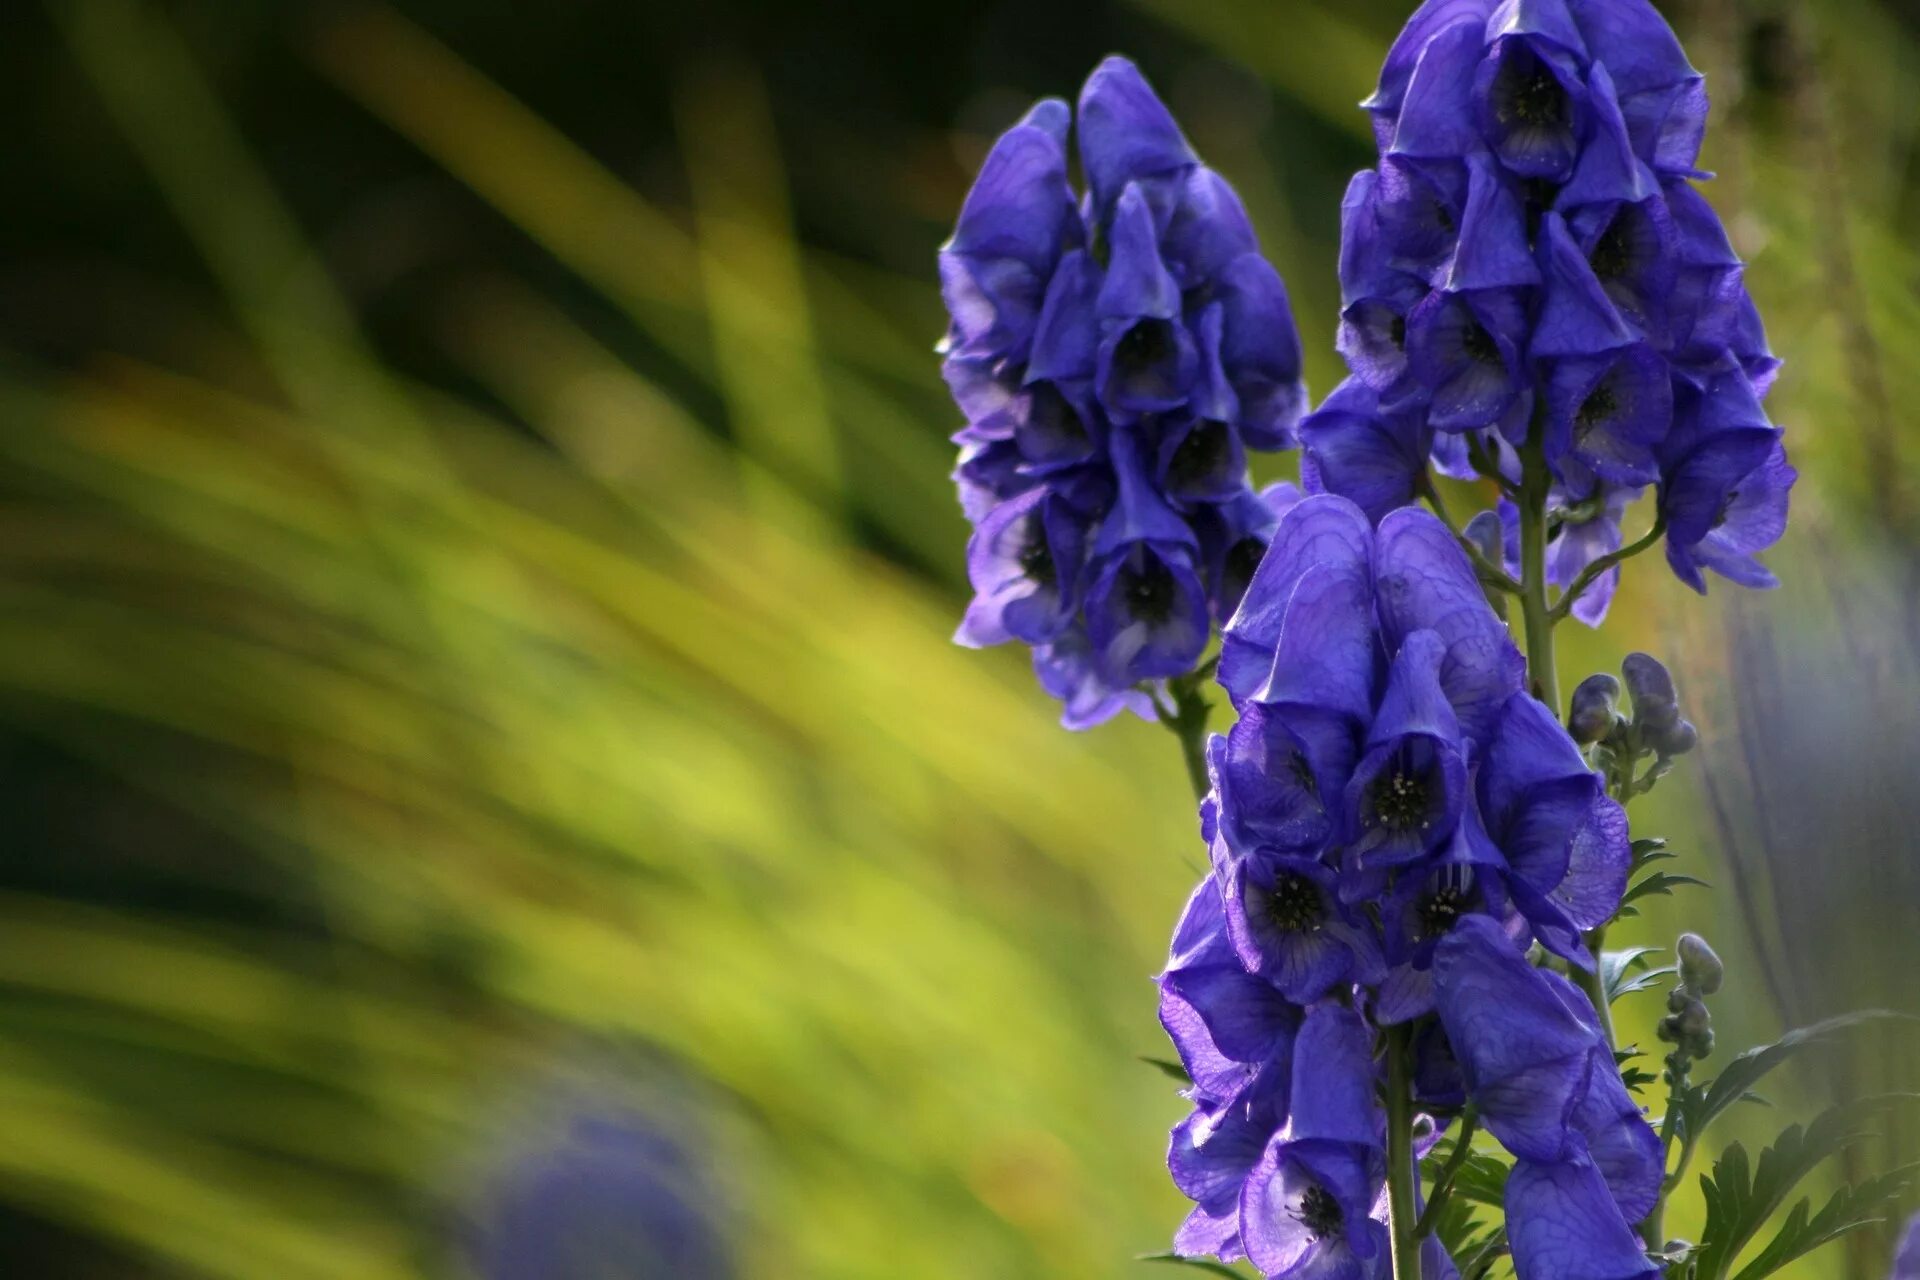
x,y
1675,741
1592,715
1656,706
1701,1046
1694,1021
1700,968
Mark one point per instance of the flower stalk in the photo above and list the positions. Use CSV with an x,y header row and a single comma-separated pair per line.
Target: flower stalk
x,y
1403,1170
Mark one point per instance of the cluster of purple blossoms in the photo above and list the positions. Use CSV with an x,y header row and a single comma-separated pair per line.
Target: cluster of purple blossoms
x,y
1115,356
1393,824
1530,265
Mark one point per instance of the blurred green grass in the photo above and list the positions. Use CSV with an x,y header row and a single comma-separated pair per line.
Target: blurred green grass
x,y
596,709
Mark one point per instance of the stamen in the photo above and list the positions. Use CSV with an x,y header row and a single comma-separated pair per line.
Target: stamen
x,y
1295,904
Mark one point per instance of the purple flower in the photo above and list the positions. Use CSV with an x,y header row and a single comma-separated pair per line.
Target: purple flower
x,y
1906,1262
1405,797
1562,1223
1115,358
1535,1063
1287,922
1306,1211
1530,259
1371,455
1525,1058
1016,222
1564,840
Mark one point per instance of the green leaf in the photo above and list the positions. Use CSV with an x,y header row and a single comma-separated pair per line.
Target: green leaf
x,y
1660,882
1617,971
1458,1227
1850,1209
1482,1179
1207,1265
1173,1069
1708,1099
1650,849
1742,1196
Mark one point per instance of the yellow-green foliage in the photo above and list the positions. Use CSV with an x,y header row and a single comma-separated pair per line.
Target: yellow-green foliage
x,y
593,743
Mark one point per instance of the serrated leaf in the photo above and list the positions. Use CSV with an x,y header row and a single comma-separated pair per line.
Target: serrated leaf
x,y
1458,1227
1637,1079
1708,1099
1172,1069
1617,971
1483,1180
1207,1265
1661,882
1850,1209
1741,1197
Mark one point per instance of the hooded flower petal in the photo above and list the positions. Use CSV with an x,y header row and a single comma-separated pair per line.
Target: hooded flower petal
x,y
1305,1209
1126,133
1563,1225
1367,454
1427,583
1525,1058
1318,531
1287,924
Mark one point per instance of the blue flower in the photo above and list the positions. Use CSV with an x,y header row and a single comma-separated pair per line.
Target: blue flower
x,y
1565,842
1531,260
1906,1262
1525,1057
1367,453
1562,1223
1115,357
1287,922
1534,1061
1405,797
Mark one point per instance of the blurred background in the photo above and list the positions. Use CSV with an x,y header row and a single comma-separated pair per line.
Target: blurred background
x,y
490,791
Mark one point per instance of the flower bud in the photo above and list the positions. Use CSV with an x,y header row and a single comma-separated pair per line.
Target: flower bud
x,y
1676,741
1700,968
1694,1021
1656,706
1593,716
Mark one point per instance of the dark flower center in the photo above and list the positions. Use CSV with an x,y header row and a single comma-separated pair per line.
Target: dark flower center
x,y
1397,332
1400,802
1303,773
1479,344
1320,1212
1613,255
1532,96
1149,593
1199,458
1439,909
1145,345
1052,422
1295,904
1243,561
1726,505
1036,558
1600,405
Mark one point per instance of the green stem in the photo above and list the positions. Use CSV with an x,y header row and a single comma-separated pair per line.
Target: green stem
x,y
1403,1171
1535,608
1652,1227
1540,615
1443,1184
1187,717
1592,572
